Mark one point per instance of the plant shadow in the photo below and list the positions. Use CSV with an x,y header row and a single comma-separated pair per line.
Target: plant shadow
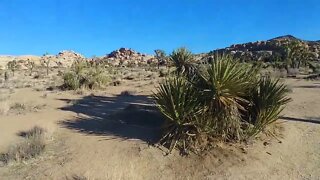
x,y
308,86
124,117
315,120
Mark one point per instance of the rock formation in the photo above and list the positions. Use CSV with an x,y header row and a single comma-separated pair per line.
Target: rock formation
x,y
126,57
263,49
66,58
62,59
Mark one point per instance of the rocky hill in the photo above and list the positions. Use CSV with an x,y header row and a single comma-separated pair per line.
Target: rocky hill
x,y
259,50
120,57
263,49
62,59
66,58
127,56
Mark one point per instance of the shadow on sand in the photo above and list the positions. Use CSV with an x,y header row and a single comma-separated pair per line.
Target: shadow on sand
x,y
315,120
314,85
309,86
124,117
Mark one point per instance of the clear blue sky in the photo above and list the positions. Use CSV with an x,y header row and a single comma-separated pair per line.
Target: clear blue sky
x,y
96,27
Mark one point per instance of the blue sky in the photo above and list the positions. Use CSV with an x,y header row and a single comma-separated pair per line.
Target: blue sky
x,y
96,27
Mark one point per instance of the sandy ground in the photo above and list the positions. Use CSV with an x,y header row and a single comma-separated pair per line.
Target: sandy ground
x,y
96,135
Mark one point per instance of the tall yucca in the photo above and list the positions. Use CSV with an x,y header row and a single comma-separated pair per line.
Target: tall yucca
x,y
183,60
225,81
223,85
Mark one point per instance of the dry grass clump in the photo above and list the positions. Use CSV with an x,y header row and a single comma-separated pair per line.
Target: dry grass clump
x,y
18,107
225,100
21,108
35,131
32,146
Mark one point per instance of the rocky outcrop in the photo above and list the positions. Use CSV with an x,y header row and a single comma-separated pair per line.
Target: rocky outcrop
x,y
127,57
62,59
66,58
260,50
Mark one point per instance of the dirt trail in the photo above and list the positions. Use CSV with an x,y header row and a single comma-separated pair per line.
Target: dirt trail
x,y
88,142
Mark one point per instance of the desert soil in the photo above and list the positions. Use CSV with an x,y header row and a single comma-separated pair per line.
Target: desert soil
x,y
97,136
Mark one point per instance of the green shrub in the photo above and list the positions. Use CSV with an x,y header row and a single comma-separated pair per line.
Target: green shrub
x,y
95,78
71,80
226,100
83,76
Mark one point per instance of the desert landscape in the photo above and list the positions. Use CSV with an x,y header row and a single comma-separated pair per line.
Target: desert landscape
x,y
67,116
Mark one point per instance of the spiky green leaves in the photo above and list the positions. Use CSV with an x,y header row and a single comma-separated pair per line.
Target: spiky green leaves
x,y
267,101
226,100
177,100
225,82
183,60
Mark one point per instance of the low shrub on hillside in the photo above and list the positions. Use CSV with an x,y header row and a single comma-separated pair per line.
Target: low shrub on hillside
x,y
225,100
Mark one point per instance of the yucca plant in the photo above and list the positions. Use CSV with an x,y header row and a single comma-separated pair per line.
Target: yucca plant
x,y
177,100
227,100
183,60
222,86
267,102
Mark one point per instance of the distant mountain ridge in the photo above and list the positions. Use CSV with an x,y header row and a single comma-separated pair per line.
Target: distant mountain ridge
x,y
262,49
125,56
288,37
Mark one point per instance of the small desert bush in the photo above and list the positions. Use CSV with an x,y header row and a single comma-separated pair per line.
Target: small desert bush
x,y
35,131
19,107
127,93
225,100
32,146
83,76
